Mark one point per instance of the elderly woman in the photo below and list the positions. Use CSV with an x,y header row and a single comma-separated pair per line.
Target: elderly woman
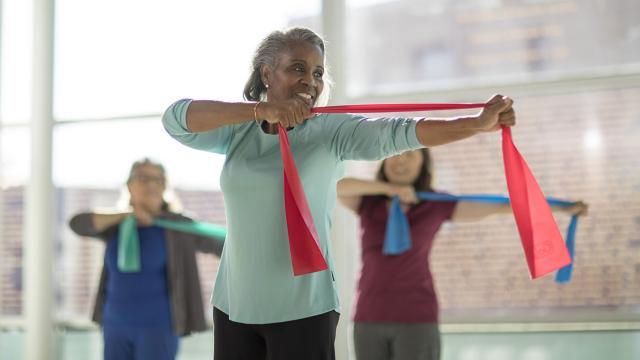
x,y
261,310
144,310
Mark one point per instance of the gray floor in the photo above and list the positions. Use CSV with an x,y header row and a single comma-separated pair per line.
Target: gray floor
x,y
591,345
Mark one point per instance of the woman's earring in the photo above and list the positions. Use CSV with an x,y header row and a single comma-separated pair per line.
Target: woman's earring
x,y
266,85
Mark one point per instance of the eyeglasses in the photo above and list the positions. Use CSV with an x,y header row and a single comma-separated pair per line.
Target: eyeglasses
x,y
146,179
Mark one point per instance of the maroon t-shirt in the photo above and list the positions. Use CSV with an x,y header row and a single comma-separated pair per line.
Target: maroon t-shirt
x,y
398,288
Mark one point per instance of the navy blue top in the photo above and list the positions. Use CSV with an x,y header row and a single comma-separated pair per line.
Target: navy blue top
x,y
139,299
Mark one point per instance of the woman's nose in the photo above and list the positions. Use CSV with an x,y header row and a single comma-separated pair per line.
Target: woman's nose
x,y
308,79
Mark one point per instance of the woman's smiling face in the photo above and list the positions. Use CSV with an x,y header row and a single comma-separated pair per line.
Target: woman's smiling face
x,y
405,168
298,72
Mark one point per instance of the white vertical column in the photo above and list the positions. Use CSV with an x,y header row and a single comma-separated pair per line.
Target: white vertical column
x,y
334,32
343,232
38,224
1,173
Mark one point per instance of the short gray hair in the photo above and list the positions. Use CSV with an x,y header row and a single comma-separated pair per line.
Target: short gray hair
x,y
145,162
267,53
170,201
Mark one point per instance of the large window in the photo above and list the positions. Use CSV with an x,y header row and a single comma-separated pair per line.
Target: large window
x,y
120,58
14,170
582,144
396,45
15,64
117,66
569,64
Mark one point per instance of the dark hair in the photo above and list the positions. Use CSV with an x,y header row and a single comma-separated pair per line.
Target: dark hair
x,y
148,162
425,178
267,54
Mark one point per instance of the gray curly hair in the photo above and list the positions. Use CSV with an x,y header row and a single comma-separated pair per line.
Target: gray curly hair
x,y
267,54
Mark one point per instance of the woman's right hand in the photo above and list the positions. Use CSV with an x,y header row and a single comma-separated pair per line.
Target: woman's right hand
x,y
289,113
406,193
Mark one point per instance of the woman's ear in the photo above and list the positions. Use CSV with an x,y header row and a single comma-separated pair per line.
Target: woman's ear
x,y
265,74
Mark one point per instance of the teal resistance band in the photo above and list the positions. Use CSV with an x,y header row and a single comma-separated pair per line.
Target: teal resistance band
x,y
129,243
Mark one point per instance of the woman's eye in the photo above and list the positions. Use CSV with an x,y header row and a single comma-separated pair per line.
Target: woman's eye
x,y
299,68
318,74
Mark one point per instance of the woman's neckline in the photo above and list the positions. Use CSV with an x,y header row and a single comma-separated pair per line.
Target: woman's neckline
x,y
262,128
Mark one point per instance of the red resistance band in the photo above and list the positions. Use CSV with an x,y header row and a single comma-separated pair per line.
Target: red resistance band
x,y
541,239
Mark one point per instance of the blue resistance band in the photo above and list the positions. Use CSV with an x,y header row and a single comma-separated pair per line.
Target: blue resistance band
x,y
398,233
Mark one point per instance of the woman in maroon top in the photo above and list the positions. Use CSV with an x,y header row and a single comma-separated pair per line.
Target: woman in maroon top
x,y
396,308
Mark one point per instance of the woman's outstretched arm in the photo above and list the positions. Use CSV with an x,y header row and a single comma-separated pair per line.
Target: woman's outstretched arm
x,y
474,211
351,191
498,112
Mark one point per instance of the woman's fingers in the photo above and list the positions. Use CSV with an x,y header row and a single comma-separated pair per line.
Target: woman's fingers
x,y
499,103
143,217
289,113
580,208
498,112
407,195
507,118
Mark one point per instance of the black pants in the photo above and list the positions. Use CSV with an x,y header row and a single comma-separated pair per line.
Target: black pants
x,y
309,339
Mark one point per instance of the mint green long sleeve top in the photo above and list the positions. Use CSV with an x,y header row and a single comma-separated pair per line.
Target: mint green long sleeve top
x,y
255,282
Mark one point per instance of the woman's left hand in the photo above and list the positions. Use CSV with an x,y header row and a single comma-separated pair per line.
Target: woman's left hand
x,y
579,208
497,113
143,217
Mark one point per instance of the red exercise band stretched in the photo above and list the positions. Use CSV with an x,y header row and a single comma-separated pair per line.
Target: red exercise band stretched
x,y
541,239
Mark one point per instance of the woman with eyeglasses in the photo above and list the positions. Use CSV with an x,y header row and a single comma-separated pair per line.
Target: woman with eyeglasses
x,y
145,309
